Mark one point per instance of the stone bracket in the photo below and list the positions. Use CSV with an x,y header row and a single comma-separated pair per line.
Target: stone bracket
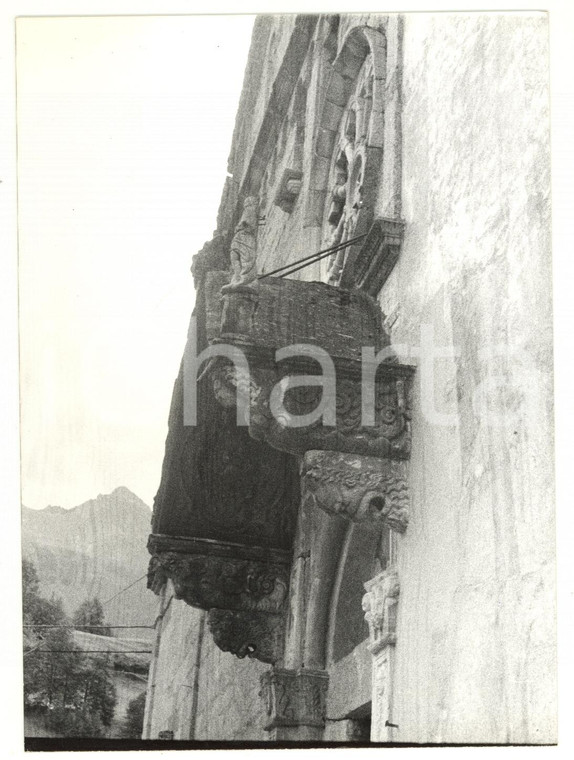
x,y
243,588
378,255
294,697
288,190
257,635
361,489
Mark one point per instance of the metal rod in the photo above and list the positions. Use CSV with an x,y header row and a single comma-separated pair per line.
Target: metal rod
x,y
331,249
305,264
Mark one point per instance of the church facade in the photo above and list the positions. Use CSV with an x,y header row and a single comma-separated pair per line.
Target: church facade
x,y
353,538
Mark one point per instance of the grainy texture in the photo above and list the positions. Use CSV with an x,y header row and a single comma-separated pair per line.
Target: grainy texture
x,y
476,631
466,167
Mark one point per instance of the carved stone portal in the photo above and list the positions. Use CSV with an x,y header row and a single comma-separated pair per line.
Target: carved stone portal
x,y
380,606
294,697
362,489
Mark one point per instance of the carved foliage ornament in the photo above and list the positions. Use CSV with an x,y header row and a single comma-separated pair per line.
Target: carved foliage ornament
x,y
389,436
361,489
294,697
223,582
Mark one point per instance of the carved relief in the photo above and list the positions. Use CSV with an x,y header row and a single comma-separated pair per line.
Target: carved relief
x,y
361,489
380,606
224,582
389,437
294,697
257,635
350,199
243,251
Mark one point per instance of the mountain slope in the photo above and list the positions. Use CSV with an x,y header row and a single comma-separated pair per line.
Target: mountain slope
x,y
95,549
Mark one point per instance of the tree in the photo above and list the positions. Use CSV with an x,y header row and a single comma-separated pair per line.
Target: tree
x,y
135,717
89,614
73,691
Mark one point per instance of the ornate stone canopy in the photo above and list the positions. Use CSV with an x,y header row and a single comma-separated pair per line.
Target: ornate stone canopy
x,y
226,511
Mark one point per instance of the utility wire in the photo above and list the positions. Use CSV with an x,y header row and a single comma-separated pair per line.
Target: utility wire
x,y
124,589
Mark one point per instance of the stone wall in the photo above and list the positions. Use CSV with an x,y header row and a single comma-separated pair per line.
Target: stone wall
x,y
195,690
476,630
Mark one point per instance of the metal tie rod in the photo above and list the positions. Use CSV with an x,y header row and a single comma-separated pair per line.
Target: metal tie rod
x,y
321,254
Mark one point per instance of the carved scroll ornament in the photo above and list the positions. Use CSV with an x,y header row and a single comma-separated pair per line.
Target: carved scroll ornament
x,y
223,582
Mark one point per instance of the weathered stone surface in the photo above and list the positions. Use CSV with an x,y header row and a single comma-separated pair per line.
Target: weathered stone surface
x,y
380,605
378,254
256,635
389,437
294,697
361,489
288,190
223,582
340,324
218,482
285,312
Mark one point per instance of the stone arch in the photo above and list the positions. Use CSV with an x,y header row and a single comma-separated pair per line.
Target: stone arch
x,y
350,131
364,553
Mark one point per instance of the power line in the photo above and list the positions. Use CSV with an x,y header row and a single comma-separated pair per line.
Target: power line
x,y
124,589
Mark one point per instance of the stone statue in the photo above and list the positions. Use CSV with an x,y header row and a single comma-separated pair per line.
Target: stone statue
x,y
243,252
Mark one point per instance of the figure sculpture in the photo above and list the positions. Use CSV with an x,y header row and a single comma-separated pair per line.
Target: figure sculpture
x,y
243,251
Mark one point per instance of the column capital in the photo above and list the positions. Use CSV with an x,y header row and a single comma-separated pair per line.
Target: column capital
x,y
294,697
359,488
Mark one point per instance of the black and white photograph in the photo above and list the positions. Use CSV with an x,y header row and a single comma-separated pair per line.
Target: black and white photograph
x,y
286,380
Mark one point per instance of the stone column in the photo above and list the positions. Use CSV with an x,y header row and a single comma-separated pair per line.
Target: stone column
x,y
295,702
380,606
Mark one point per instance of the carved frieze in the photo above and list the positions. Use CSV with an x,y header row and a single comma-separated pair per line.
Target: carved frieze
x,y
228,583
389,436
361,489
294,697
257,635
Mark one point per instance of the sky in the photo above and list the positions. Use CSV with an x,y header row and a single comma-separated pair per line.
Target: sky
x,y
124,127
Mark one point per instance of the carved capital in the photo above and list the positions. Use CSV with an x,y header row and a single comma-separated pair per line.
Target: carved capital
x,y
223,582
294,697
361,489
258,635
380,606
